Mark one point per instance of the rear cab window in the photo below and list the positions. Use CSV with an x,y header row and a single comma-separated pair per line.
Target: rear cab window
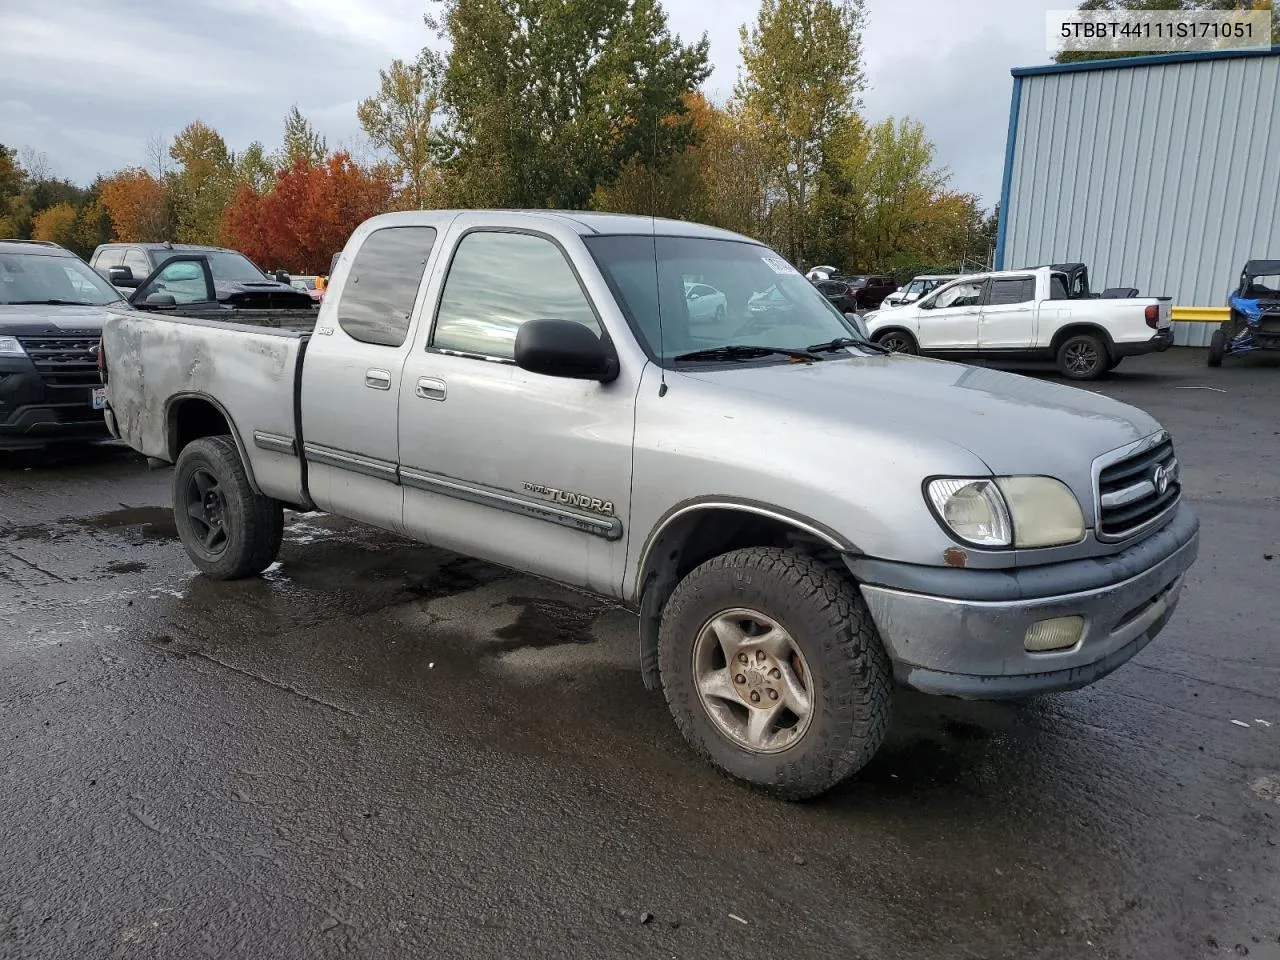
x,y
376,302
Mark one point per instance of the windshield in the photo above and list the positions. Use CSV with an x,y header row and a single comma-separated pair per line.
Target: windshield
x,y
714,294
38,278
303,283
1265,286
228,265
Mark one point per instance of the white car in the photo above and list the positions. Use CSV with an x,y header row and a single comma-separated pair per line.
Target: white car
x,y
1020,315
704,302
917,288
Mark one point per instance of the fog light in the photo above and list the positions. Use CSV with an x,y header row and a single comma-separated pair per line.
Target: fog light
x,y
1060,633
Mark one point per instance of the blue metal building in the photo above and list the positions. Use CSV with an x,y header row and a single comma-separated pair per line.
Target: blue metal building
x,y
1160,172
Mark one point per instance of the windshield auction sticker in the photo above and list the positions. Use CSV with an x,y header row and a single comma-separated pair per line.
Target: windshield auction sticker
x,y
1121,32
780,266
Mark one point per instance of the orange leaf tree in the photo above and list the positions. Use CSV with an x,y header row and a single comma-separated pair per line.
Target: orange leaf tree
x,y
136,203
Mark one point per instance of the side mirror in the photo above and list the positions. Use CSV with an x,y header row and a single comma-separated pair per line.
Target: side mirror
x,y
282,277
160,300
121,277
563,348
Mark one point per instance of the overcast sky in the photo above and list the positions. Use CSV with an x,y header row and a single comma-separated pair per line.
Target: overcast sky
x,y
88,82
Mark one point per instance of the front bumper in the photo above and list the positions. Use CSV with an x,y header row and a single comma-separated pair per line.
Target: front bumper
x,y
961,632
35,412
1161,342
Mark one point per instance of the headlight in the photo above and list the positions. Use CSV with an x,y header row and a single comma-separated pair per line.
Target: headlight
x,y
973,510
1023,512
10,347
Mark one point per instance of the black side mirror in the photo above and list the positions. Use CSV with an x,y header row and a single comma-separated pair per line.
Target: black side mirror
x,y
563,348
121,277
160,300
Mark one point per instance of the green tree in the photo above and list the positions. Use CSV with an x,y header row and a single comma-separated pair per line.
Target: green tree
x,y
56,223
203,184
399,120
301,142
13,182
547,100
253,167
1076,56
802,78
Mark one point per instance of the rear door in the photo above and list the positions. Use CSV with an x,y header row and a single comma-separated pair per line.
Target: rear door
x,y
949,318
1008,319
351,376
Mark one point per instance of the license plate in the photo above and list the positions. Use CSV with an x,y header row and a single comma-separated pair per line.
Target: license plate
x,y
99,398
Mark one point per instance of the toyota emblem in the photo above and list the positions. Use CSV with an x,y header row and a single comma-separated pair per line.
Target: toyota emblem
x,y
1161,478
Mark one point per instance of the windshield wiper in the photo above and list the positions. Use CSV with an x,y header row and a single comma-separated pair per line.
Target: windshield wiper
x,y
841,342
53,303
737,351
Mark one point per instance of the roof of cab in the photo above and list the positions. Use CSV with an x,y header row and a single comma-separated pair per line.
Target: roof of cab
x,y
582,221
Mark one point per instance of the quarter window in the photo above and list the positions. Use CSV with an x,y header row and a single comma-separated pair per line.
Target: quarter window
x,y
497,282
376,302
137,261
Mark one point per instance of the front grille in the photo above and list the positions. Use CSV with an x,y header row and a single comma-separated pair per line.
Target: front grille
x,y
66,360
1129,494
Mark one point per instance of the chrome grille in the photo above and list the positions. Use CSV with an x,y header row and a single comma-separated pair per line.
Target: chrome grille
x,y
66,360
1137,486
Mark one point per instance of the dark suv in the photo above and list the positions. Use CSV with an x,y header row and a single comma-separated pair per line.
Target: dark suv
x,y
237,282
865,291
51,311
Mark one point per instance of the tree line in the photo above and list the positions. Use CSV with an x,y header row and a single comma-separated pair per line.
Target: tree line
x,y
578,104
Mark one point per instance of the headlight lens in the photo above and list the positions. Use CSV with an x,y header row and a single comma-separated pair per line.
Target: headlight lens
x,y
10,347
1024,512
1045,512
974,511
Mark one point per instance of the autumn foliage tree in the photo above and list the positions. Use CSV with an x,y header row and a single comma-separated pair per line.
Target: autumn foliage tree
x,y
57,224
307,218
135,201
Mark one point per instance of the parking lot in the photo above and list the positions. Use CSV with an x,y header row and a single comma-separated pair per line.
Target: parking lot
x,y
380,750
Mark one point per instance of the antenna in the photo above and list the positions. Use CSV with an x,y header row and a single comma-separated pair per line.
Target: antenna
x,y
657,279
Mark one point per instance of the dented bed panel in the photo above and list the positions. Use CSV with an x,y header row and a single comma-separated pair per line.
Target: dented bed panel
x,y
156,363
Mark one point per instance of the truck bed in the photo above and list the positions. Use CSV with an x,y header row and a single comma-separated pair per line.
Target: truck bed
x,y
157,362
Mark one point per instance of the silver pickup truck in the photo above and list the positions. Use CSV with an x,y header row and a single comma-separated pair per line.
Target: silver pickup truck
x,y
798,517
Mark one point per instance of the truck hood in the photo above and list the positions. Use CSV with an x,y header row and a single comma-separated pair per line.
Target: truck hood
x,y
33,319
261,295
1013,424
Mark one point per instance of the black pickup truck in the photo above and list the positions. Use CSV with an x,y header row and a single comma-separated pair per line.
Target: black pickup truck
x,y
237,282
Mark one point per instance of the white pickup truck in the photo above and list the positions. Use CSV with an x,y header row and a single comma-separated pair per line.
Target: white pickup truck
x,y
1021,315
799,517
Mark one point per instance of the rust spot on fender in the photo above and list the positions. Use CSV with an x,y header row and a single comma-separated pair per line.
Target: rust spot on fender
x,y
954,557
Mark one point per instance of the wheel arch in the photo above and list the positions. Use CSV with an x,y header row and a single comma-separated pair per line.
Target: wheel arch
x,y
692,533
896,328
192,415
1083,327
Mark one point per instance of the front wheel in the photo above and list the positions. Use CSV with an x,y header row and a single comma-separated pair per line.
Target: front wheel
x,y
1217,348
229,531
774,671
898,341
1082,357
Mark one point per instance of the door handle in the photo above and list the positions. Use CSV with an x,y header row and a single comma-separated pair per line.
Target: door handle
x,y
377,379
429,388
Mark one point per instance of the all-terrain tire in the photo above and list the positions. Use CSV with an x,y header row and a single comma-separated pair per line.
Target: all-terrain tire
x,y
252,525
1217,348
850,678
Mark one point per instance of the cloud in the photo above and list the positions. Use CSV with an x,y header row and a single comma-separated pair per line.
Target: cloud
x,y
89,83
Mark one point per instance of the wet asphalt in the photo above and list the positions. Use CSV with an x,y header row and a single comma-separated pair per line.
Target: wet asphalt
x,y
381,750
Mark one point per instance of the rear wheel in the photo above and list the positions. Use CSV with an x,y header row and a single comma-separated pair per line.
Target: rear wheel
x,y
1082,357
229,531
1217,348
774,671
898,341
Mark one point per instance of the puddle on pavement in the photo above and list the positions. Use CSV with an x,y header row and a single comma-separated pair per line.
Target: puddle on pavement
x,y
457,576
146,523
543,622
125,566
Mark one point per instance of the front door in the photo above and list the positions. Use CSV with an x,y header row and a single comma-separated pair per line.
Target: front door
x,y
530,471
351,377
949,318
1008,315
